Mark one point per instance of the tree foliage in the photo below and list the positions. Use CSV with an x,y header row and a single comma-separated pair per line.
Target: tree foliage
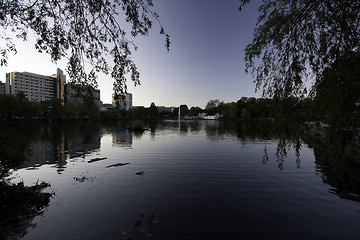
x,y
294,41
86,32
153,110
213,104
338,90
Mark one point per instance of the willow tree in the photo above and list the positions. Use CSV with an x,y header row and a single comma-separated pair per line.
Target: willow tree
x,y
338,91
85,32
296,40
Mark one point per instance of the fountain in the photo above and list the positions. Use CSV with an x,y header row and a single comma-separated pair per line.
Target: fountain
x,y
179,119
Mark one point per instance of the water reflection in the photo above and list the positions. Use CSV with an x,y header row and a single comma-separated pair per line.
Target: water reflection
x,y
19,204
122,138
58,143
198,168
337,163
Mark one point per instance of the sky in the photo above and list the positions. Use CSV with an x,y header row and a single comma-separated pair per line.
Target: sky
x,y
205,61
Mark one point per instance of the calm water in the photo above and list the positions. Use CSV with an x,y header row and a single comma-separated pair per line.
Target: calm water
x,y
196,180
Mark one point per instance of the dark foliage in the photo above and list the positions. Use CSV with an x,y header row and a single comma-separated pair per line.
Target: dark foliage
x,y
18,207
338,91
86,32
297,40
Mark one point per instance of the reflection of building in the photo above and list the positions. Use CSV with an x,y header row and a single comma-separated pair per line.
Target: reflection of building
x,y
36,87
124,102
78,94
122,138
78,146
73,141
42,152
46,152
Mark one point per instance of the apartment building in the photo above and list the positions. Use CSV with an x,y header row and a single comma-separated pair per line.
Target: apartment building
x,y
35,86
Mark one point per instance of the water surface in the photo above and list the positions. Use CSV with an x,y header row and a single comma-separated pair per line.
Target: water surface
x,y
193,180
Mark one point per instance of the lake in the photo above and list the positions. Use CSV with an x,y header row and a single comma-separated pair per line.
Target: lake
x,y
187,180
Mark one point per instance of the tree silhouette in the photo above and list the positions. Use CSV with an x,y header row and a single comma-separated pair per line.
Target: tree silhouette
x,y
338,91
294,41
85,32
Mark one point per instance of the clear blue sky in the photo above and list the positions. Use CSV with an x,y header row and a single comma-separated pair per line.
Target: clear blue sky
x,y
206,58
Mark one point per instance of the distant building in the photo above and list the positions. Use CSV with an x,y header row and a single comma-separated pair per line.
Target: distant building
x,y
2,88
36,87
206,116
125,102
78,94
213,117
165,109
202,115
107,107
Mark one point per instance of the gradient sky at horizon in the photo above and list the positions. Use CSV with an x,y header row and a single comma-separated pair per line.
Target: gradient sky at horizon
x,y
205,61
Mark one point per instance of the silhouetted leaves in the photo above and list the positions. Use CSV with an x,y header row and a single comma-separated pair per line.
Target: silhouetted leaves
x,y
338,91
19,205
297,40
86,32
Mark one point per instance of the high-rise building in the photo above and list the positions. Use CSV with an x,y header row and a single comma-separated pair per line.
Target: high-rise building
x,y
60,84
124,102
77,94
35,86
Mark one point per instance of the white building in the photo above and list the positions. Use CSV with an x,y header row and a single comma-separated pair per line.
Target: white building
x,y
212,117
125,102
35,86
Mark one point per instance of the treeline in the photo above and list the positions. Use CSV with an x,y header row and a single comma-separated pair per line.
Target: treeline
x,y
13,107
246,108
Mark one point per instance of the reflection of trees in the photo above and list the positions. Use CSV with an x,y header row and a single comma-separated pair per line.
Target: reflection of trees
x,y
287,133
195,126
336,157
265,157
281,153
14,147
80,137
286,144
213,130
183,127
18,204
337,162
